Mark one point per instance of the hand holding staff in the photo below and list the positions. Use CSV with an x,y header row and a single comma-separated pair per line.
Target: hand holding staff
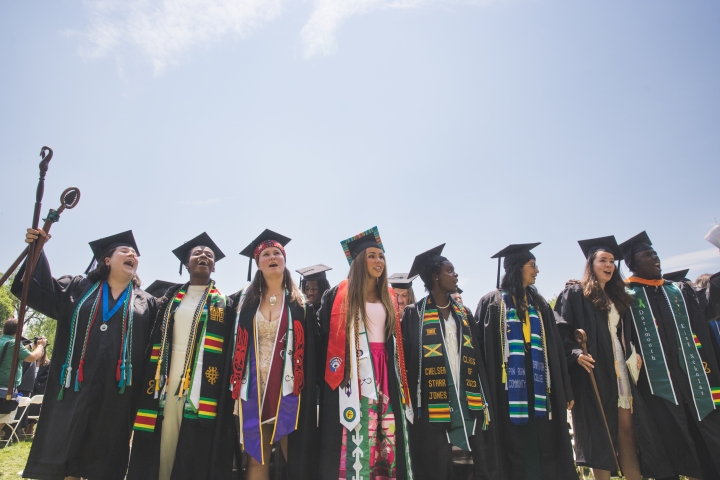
x,y
581,338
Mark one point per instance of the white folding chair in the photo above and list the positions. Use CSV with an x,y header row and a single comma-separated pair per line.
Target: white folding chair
x,y
36,400
22,402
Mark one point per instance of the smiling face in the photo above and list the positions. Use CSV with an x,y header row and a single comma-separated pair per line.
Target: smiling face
x,y
647,265
375,262
201,262
603,267
271,262
446,278
529,273
123,263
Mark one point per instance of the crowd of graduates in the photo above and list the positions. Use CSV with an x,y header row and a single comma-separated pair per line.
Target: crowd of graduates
x,y
361,380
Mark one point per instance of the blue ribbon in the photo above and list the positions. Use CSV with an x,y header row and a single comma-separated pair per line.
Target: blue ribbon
x,y
108,315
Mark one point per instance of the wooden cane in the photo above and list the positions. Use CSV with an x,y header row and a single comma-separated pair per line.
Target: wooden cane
x,y
69,199
46,153
581,338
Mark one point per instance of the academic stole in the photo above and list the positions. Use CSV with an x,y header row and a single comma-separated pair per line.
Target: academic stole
x,y
454,406
200,383
514,371
289,346
123,373
654,355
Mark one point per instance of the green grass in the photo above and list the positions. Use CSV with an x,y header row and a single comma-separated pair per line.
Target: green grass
x,y
13,458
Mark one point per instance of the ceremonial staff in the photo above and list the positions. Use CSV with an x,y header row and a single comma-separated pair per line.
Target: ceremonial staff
x,y
581,338
69,199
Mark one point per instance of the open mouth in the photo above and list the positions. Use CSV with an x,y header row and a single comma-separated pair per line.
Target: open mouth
x,y
203,262
129,262
273,265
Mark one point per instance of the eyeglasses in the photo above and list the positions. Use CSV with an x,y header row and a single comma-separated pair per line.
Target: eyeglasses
x,y
534,266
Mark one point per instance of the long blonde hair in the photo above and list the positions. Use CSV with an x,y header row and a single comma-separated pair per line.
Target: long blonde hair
x,y
357,281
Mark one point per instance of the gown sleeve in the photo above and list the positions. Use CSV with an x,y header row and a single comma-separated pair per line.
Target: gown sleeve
x,y
567,324
46,293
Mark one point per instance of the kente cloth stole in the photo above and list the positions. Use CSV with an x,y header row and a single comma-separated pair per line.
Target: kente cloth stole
x,y
653,353
200,383
280,400
123,373
442,389
514,371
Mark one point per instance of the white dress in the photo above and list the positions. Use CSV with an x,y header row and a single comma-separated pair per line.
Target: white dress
x,y
623,378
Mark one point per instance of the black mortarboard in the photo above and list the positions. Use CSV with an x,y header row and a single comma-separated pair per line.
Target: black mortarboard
x,y
266,236
459,290
183,251
103,245
421,261
160,287
677,276
636,244
401,280
608,244
513,254
354,245
316,272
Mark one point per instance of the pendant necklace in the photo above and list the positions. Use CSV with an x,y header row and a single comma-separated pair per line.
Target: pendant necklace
x,y
273,300
106,315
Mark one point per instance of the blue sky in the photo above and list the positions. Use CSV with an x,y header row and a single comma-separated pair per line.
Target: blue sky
x,y
474,123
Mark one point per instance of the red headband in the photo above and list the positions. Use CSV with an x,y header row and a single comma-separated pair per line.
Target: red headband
x,y
268,244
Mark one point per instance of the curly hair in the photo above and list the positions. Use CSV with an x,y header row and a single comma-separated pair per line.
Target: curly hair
x,y
614,292
703,281
101,272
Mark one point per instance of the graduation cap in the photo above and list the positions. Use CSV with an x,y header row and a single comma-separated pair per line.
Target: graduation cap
x,y
353,246
639,243
316,272
677,276
203,240
513,254
160,287
459,290
401,280
103,245
266,239
422,261
609,244
713,236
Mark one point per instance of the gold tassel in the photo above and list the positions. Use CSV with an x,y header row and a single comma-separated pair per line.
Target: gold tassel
x,y
504,373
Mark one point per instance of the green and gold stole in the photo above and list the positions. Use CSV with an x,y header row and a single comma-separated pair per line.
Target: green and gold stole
x,y
653,354
200,382
452,403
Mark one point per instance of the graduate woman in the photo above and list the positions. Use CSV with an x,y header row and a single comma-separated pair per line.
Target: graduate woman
x,y
273,377
679,381
529,384
103,330
600,306
446,374
184,428
364,401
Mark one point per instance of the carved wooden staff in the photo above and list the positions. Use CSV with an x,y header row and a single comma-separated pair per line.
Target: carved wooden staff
x,y
46,153
581,338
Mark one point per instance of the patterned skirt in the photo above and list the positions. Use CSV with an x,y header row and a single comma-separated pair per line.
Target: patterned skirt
x,y
378,455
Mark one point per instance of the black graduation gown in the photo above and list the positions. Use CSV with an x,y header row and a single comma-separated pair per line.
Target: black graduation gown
x,y
302,448
693,447
205,448
331,430
430,450
39,389
709,304
87,433
592,448
556,456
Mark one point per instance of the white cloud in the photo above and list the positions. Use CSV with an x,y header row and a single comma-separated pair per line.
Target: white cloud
x,y
163,31
693,260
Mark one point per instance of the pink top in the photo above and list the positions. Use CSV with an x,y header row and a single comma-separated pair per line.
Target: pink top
x,y
376,322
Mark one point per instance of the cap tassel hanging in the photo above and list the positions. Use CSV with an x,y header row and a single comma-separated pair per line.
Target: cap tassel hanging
x,y
91,267
249,277
180,272
497,285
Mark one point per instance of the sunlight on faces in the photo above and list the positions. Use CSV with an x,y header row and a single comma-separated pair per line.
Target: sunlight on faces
x,y
402,297
312,291
647,265
123,262
271,262
201,261
375,262
603,266
529,273
447,278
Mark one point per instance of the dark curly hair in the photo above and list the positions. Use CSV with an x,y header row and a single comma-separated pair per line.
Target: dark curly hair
x,y
102,271
614,291
429,268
